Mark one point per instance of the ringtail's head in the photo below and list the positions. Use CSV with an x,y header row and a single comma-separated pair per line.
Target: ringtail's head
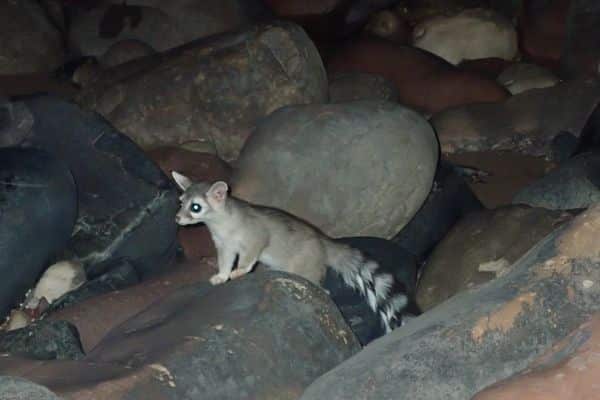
x,y
200,202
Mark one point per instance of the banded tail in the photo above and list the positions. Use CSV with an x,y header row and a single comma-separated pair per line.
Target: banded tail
x,y
381,291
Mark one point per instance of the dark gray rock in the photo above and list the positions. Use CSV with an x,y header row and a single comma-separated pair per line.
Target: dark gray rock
x,y
581,56
265,335
38,208
391,258
126,204
351,86
43,340
450,199
574,184
13,388
482,336
120,274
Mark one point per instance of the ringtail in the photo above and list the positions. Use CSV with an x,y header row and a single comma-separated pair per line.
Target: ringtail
x,y
282,242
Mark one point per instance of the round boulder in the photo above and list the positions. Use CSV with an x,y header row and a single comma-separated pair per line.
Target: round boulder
x,y
354,169
13,388
38,207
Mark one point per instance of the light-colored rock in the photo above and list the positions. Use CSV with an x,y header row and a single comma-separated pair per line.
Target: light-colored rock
x,y
521,77
60,278
29,42
470,34
353,169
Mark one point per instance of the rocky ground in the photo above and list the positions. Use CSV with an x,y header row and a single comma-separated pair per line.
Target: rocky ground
x,y
454,143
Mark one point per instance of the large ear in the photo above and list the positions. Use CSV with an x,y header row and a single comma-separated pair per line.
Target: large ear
x,y
218,191
182,181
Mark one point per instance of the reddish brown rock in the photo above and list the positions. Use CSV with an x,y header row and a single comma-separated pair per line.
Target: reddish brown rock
x,y
542,122
211,90
95,317
424,81
542,31
267,336
481,247
568,371
489,68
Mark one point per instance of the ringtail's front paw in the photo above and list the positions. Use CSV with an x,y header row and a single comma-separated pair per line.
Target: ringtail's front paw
x,y
217,279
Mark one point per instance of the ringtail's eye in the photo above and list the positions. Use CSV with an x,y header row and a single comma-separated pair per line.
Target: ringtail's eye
x,y
195,208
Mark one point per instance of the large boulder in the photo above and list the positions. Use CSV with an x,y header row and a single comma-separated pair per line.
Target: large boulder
x,y
481,247
125,203
471,34
424,81
482,336
532,123
575,184
29,42
353,169
266,335
213,90
38,208
161,24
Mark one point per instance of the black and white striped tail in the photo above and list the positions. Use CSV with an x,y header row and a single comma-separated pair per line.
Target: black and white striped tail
x,y
383,293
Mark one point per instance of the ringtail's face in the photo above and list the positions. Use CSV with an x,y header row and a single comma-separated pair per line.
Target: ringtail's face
x,y
200,202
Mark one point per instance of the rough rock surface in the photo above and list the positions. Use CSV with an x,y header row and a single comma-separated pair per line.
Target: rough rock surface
x,y
568,371
161,24
483,336
266,335
124,51
481,247
449,200
38,208
574,184
43,340
378,150
125,204
29,42
211,90
13,388
527,123
424,81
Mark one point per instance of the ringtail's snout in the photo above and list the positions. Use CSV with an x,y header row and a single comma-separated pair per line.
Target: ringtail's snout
x,y
199,201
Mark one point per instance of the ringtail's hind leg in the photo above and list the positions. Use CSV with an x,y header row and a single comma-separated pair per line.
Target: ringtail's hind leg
x,y
246,262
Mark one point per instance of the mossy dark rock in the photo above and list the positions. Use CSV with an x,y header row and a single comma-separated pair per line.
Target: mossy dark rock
x,y
43,340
